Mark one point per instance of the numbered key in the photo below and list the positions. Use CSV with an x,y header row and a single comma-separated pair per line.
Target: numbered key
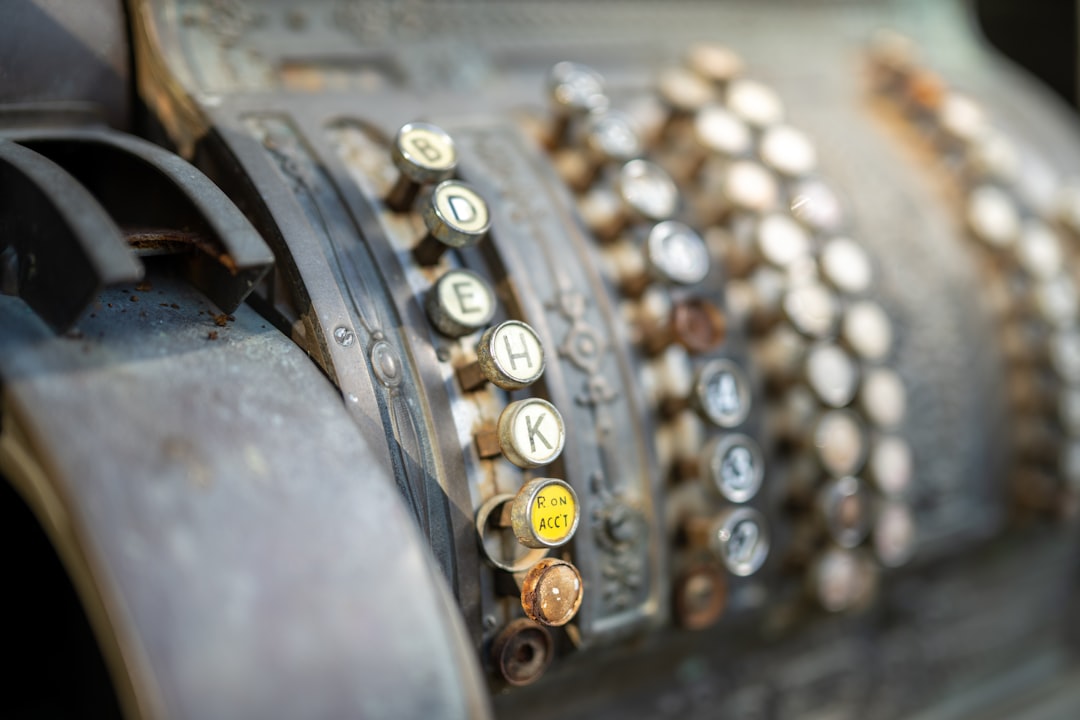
x,y
575,91
740,540
722,393
734,466
673,254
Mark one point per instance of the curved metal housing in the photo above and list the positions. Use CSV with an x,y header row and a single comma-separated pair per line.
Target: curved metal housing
x,y
278,495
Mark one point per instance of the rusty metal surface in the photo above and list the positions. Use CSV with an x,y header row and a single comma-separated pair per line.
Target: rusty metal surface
x,y
81,202
244,547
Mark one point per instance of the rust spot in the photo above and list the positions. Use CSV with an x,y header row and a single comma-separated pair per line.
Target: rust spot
x,y
212,335
228,263
159,241
487,443
221,319
134,298
144,287
700,597
522,651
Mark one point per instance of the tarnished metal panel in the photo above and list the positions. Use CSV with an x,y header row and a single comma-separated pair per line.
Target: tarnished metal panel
x,y
244,546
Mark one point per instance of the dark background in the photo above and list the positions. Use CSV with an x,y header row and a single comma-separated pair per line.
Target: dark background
x,y
1039,35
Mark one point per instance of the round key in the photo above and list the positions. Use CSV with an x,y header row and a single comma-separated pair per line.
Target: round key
x,y
993,216
734,466
866,330
1056,300
740,540
843,580
531,432
845,508
715,63
840,442
831,374
1039,250
846,266
720,132
891,465
812,310
460,303
749,187
755,103
456,217
993,156
696,324
683,90
551,592
894,534
423,154
961,118
545,513
576,89
700,597
647,190
883,397
816,205
611,136
788,151
676,254
510,355
722,393
781,242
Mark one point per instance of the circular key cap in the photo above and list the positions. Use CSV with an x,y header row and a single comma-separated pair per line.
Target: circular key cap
x,y
722,393
740,540
845,507
460,302
545,513
531,432
423,154
676,254
456,217
734,466
551,592
510,355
